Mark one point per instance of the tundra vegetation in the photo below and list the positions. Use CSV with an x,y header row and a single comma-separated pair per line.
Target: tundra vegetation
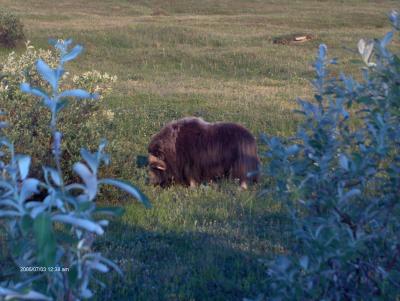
x,y
216,60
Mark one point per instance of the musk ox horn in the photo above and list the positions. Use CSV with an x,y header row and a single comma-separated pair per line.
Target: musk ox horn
x,y
157,163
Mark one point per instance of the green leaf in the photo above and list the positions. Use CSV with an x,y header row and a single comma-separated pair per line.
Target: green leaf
x,y
61,105
73,275
65,237
344,162
16,295
24,163
29,187
9,213
88,178
111,264
132,190
141,161
45,239
115,211
282,263
47,73
79,222
386,39
83,206
91,159
26,224
304,262
365,49
72,54
78,93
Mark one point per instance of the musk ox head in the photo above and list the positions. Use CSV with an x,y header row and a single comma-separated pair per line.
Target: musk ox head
x,y
161,156
191,151
158,174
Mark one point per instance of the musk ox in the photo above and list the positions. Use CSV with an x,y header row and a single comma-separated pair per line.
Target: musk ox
x,y
190,151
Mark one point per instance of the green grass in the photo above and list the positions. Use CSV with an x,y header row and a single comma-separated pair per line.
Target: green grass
x,y
213,59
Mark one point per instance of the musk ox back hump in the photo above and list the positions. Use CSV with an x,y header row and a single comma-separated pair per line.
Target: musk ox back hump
x,y
193,151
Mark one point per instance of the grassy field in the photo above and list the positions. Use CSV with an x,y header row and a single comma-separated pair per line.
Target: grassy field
x,y
213,59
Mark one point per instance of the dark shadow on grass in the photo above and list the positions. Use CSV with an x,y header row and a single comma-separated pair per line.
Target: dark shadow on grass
x,y
168,265
218,261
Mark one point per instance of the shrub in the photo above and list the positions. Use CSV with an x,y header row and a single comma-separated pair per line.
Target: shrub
x,y
340,179
29,121
11,29
50,236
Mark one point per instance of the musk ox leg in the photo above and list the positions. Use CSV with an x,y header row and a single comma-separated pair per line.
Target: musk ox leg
x,y
239,172
192,183
246,171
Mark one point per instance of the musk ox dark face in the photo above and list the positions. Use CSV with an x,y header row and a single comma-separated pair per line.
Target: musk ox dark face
x,y
158,174
191,151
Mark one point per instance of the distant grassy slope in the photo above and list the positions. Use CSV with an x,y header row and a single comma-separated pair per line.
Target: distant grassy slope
x,y
213,59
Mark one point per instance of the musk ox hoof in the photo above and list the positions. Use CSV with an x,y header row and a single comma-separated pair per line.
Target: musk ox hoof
x,y
191,151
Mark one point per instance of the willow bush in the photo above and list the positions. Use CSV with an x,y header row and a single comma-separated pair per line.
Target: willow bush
x,y
51,223
11,29
339,178
28,121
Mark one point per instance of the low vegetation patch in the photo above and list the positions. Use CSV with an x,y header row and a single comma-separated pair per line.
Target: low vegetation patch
x,y
11,29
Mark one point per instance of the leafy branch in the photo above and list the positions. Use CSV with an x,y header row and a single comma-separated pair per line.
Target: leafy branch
x,y
56,232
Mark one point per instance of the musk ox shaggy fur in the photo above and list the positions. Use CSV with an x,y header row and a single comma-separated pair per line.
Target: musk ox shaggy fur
x,y
190,151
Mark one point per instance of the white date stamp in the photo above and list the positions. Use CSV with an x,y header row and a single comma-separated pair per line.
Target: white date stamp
x,y
43,269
